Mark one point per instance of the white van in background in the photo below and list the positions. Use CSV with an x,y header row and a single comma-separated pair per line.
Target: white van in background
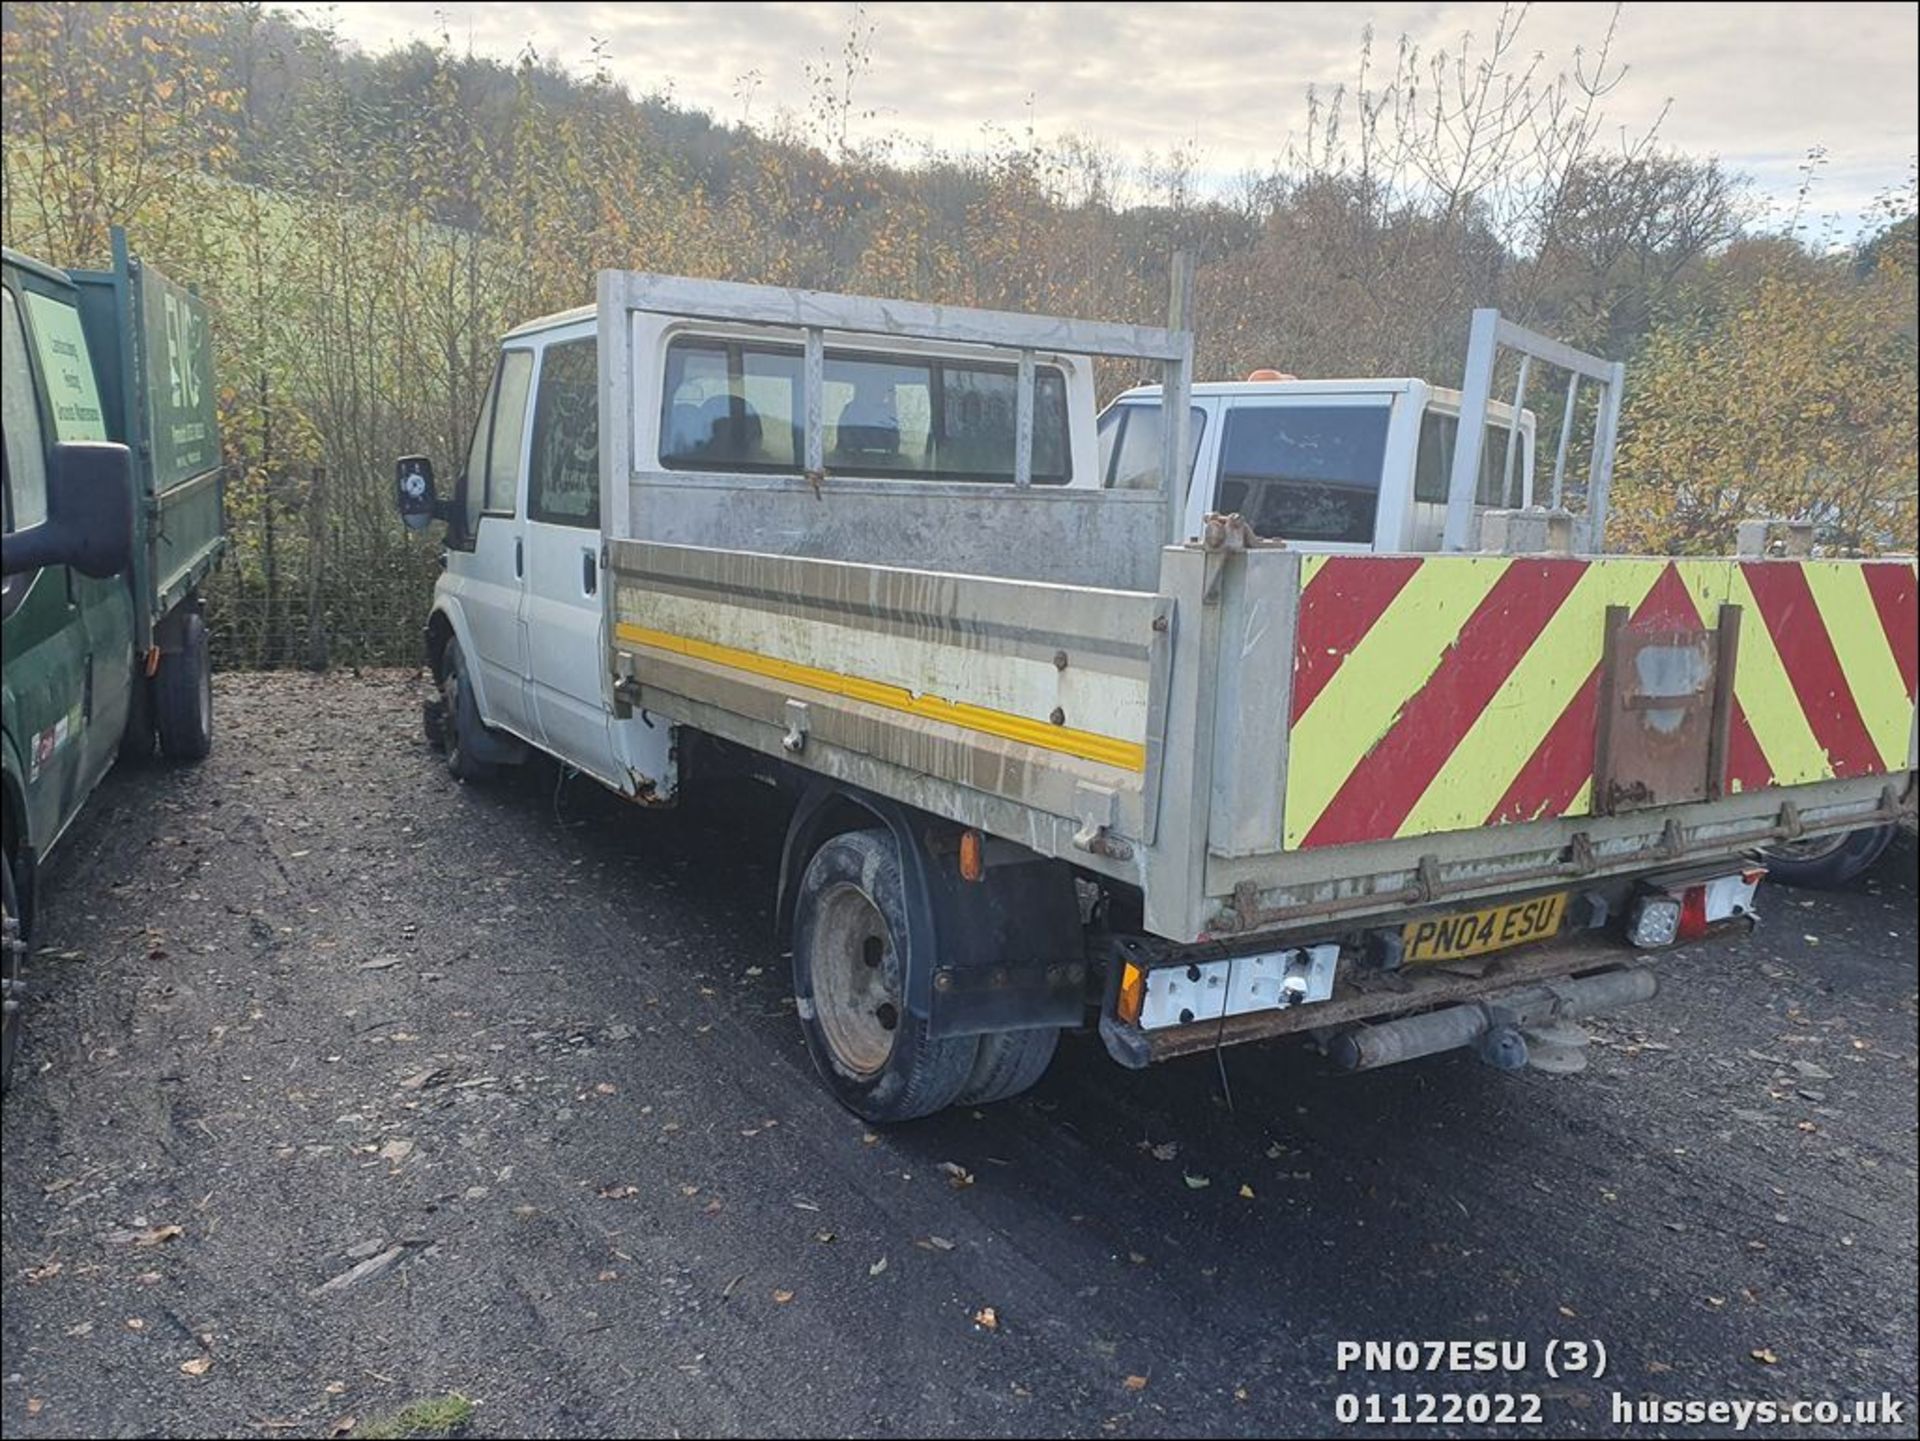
x,y
1326,465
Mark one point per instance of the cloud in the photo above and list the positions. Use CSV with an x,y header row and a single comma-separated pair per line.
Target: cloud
x,y
1757,84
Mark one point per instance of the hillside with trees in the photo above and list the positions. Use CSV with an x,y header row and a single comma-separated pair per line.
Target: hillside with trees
x,y
367,225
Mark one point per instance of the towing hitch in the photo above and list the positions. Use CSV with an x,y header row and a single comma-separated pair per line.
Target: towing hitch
x,y
1527,1027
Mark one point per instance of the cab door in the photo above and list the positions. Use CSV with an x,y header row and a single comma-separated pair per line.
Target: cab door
x,y
44,639
562,604
492,576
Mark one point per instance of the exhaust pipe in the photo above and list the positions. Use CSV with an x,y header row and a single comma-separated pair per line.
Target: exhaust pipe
x,y
1498,1029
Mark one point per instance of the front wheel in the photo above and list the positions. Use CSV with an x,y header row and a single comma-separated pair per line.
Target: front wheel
x,y
13,949
463,724
1828,862
852,943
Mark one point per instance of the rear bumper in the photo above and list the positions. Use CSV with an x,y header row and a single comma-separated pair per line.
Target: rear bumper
x,y
1363,997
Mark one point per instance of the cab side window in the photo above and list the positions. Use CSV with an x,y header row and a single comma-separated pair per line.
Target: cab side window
x,y
509,424
564,488
26,479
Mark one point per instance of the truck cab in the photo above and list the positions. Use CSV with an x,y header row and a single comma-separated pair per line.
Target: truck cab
x,y
1336,466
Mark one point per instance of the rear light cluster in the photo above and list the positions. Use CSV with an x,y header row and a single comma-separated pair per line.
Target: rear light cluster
x,y
1177,995
1667,914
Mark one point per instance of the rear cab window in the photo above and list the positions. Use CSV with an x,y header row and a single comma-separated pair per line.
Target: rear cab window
x,y
737,406
1305,472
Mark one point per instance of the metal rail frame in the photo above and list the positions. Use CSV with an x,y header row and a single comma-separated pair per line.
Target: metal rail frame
x,y
1489,333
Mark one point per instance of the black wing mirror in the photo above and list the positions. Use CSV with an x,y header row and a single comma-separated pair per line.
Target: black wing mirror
x,y
89,523
413,489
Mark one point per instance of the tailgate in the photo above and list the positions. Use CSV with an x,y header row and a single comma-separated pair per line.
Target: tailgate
x,y
1450,692
1460,724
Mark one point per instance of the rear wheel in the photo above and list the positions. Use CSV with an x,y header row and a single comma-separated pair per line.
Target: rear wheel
x,y
1828,862
853,940
1009,1062
183,692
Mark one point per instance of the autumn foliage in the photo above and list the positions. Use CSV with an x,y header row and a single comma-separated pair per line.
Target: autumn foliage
x,y
366,227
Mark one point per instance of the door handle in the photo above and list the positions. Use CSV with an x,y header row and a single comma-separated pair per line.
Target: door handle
x,y
589,576
519,557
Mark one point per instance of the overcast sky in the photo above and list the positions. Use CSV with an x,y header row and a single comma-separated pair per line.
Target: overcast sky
x,y
1755,84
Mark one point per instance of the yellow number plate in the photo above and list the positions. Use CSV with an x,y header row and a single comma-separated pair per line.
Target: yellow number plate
x,y
1473,933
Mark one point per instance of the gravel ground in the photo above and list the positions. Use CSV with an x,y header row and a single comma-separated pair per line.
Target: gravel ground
x,y
529,1054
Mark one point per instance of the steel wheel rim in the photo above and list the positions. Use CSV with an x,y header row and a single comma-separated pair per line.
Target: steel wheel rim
x,y
856,980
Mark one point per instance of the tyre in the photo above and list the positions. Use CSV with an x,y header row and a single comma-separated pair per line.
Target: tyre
x,y
852,940
1828,862
463,724
13,949
433,723
183,693
1008,1063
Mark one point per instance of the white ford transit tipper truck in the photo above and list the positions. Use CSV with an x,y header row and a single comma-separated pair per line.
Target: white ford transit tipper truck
x,y
1069,754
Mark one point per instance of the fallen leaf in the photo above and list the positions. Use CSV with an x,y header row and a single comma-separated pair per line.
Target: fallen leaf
x,y
134,1323
35,1405
36,1274
958,1176
877,1267
618,1193
150,1236
780,1298
1135,1383
609,1276
606,1088
198,1366
940,1243
825,1238
1764,1355
1246,1191
1194,1183
1165,1151
987,1319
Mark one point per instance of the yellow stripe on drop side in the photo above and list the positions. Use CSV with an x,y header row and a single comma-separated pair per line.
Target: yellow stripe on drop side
x,y
1386,669
1087,745
1873,676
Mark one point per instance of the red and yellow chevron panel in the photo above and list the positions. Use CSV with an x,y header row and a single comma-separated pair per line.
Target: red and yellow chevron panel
x,y
1445,693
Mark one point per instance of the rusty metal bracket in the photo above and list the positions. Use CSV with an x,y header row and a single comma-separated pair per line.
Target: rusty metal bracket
x,y
1427,878
1673,838
1790,824
1580,854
